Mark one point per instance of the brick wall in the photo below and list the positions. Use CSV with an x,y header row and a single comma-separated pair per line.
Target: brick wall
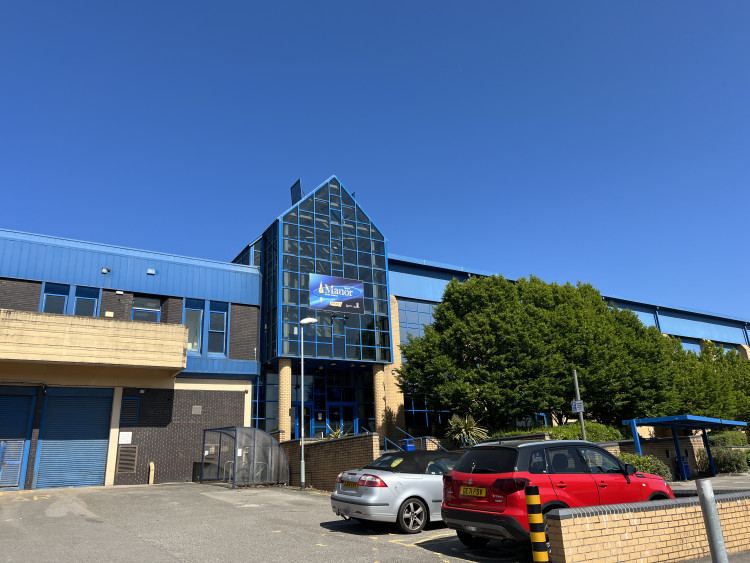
x,y
171,310
325,459
243,332
655,532
21,295
170,435
121,306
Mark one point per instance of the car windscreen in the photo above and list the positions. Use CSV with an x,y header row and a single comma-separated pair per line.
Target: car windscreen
x,y
487,460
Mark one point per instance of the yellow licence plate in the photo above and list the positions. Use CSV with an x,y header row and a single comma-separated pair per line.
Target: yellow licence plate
x,y
473,491
350,484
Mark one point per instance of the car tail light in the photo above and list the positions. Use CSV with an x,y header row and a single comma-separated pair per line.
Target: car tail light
x,y
371,481
340,478
510,486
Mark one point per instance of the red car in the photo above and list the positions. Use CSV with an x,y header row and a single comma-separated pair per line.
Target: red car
x,y
483,496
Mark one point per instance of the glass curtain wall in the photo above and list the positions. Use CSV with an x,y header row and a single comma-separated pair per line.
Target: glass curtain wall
x,y
328,233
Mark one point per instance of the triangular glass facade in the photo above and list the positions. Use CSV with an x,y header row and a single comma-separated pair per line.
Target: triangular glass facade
x,y
328,234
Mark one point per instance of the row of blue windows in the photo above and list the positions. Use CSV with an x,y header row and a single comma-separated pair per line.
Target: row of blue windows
x,y
82,301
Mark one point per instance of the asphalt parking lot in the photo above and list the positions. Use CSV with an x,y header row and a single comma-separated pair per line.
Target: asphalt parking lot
x,y
193,522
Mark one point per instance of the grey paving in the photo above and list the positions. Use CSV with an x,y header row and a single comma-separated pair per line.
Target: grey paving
x,y
191,522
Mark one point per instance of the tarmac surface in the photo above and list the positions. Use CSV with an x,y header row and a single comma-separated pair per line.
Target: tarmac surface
x,y
189,522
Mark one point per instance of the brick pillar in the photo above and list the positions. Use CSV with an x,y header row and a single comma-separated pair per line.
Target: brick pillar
x,y
389,401
285,399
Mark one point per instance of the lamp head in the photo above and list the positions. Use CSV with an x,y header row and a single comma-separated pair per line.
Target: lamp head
x,y
308,321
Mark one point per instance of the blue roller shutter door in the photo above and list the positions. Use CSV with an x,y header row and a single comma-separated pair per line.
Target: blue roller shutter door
x,y
16,412
74,438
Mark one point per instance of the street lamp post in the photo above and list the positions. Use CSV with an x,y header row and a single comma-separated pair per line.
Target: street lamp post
x,y
303,323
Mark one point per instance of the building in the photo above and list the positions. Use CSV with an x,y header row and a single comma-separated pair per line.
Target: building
x,y
114,359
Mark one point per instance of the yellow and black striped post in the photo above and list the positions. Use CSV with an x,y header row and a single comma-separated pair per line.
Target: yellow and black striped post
x,y
536,524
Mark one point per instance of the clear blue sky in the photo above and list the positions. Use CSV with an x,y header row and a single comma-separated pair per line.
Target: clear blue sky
x,y
607,142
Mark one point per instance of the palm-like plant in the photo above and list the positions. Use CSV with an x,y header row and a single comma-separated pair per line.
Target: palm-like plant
x,y
461,429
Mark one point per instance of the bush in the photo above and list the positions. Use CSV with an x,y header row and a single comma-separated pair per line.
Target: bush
x,y
747,455
647,464
728,438
595,432
520,431
725,461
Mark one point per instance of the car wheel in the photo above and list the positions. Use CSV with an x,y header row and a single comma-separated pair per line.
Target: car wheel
x,y
471,541
412,516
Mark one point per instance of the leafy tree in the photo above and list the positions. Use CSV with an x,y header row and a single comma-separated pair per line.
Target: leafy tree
x,y
500,351
460,428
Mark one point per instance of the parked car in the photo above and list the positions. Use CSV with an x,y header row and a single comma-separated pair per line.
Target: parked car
x,y
483,496
401,487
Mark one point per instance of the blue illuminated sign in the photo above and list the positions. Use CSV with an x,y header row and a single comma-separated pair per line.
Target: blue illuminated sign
x,y
337,295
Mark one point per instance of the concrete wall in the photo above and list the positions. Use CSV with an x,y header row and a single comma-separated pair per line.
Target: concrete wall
x,y
325,459
646,532
55,339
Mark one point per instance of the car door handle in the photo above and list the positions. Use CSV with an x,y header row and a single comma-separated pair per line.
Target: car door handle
x,y
602,484
561,485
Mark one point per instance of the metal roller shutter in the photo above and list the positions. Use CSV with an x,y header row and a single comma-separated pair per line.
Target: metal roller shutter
x,y
16,410
74,438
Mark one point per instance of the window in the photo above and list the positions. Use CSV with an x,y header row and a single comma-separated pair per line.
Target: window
x,y
146,309
217,327
55,298
598,461
194,323
564,460
86,301
59,299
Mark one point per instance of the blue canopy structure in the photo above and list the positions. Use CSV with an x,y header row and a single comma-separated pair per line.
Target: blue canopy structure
x,y
683,421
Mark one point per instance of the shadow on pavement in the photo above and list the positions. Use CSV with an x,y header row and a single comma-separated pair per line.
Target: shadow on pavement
x,y
504,552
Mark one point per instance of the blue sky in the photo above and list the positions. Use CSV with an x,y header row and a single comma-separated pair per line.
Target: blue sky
x,y
607,142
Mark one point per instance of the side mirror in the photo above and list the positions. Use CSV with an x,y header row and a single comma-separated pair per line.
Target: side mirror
x,y
630,469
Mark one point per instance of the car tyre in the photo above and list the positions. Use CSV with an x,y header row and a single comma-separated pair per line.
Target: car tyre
x,y
412,516
471,541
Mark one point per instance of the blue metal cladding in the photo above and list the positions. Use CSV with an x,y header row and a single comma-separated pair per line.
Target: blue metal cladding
x,y
73,438
424,283
16,415
716,330
43,258
203,365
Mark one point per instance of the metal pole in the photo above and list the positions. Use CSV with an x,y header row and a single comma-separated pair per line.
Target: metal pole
x,y
302,408
711,519
578,398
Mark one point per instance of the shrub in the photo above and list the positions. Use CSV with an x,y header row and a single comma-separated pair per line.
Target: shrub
x,y
747,455
725,460
595,432
460,428
728,438
647,464
520,431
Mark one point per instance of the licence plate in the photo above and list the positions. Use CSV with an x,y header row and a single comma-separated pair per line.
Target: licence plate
x,y
473,491
349,484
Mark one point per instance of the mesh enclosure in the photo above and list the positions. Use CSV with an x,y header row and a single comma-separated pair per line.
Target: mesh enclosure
x,y
243,456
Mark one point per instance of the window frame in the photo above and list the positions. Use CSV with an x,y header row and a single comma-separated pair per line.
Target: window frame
x,y
135,309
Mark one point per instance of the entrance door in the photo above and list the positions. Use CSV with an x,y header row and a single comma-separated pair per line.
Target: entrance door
x,y
16,412
342,418
309,426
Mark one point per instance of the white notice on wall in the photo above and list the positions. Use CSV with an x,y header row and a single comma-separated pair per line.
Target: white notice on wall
x,y
126,438
239,452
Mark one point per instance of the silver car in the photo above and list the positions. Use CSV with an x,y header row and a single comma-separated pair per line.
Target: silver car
x,y
401,487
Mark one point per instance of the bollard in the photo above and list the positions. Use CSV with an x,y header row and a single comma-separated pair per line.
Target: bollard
x,y
536,524
711,519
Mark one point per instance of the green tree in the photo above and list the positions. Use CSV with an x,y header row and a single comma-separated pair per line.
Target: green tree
x,y
500,351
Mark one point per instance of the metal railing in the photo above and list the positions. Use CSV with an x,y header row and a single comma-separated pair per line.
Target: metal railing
x,y
420,440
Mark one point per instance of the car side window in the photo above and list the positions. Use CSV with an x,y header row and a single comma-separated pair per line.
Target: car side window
x,y
440,466
537,464
599,461
564,460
